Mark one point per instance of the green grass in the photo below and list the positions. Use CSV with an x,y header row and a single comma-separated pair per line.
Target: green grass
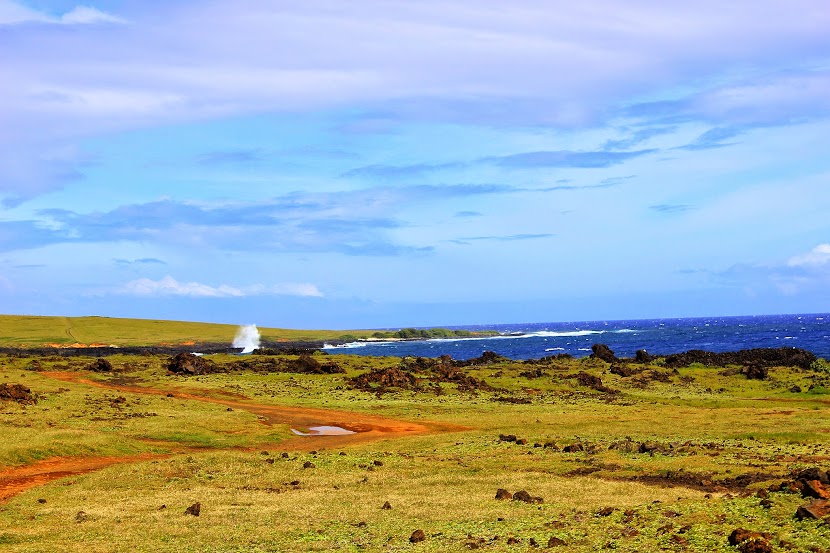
x,y
713,429
31,331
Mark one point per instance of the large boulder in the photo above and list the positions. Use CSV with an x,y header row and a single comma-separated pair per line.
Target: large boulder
x,y
100,365
17,392
189,364
816,509
603,353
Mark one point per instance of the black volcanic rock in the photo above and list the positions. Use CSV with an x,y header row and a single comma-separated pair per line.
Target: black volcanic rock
x,y
604,353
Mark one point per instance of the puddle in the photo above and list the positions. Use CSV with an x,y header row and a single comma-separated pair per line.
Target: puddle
x,y
323,431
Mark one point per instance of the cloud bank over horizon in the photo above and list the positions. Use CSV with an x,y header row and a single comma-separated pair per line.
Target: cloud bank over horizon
x,y
429,154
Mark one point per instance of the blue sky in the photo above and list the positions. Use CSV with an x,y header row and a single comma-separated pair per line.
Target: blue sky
x,y
382,164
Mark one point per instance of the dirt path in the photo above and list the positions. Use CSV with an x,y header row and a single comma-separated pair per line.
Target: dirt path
x,y
19,479
366,427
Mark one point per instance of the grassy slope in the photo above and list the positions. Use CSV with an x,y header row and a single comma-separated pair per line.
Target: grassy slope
x,y
32,331
441,483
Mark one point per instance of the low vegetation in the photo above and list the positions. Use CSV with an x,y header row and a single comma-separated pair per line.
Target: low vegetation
x,y
583,454
432,333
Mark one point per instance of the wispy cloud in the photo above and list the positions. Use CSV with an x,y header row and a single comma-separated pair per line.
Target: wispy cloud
x,y
142,261
168,286
565,159
671,209
505,238
714,138
636,137
350,222
604,183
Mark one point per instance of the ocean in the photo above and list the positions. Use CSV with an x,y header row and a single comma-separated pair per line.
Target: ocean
x,y
657,336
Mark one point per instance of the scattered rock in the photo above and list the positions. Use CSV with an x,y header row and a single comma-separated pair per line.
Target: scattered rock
x,y
41,501
81,516
100,365
750,542
486,358
816,509
194,509
501,493
391,377
666,528
513,541
642,356
534,373
622,370
651,448
507,437
309,365
309,465
593,382
555,542
604,353
625,446
815,489
629,532
522,495
573,448
17,392
814,473
189,364
605,511
417,536
796,389
386,506
513,400
680,540
755,372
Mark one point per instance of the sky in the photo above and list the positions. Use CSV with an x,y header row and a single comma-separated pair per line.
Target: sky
x,y
383,163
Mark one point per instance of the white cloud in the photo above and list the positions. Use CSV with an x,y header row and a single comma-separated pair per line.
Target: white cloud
x,y
12,13
85,16
801,273
820,255
168,286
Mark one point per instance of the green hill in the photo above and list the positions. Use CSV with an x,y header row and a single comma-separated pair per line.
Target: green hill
x,y
34,331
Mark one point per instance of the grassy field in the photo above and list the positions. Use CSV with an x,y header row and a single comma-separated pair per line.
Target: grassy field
x,y
32,331
667,460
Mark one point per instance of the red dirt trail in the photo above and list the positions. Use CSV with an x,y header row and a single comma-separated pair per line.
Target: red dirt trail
x,y
366,427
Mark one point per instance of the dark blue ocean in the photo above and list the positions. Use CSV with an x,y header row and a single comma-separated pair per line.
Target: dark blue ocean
x,y
657,336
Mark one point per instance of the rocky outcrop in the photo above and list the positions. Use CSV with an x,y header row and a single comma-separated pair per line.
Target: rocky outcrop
x,y
763,357
603,353
17,392
189,364
100,365
593,382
